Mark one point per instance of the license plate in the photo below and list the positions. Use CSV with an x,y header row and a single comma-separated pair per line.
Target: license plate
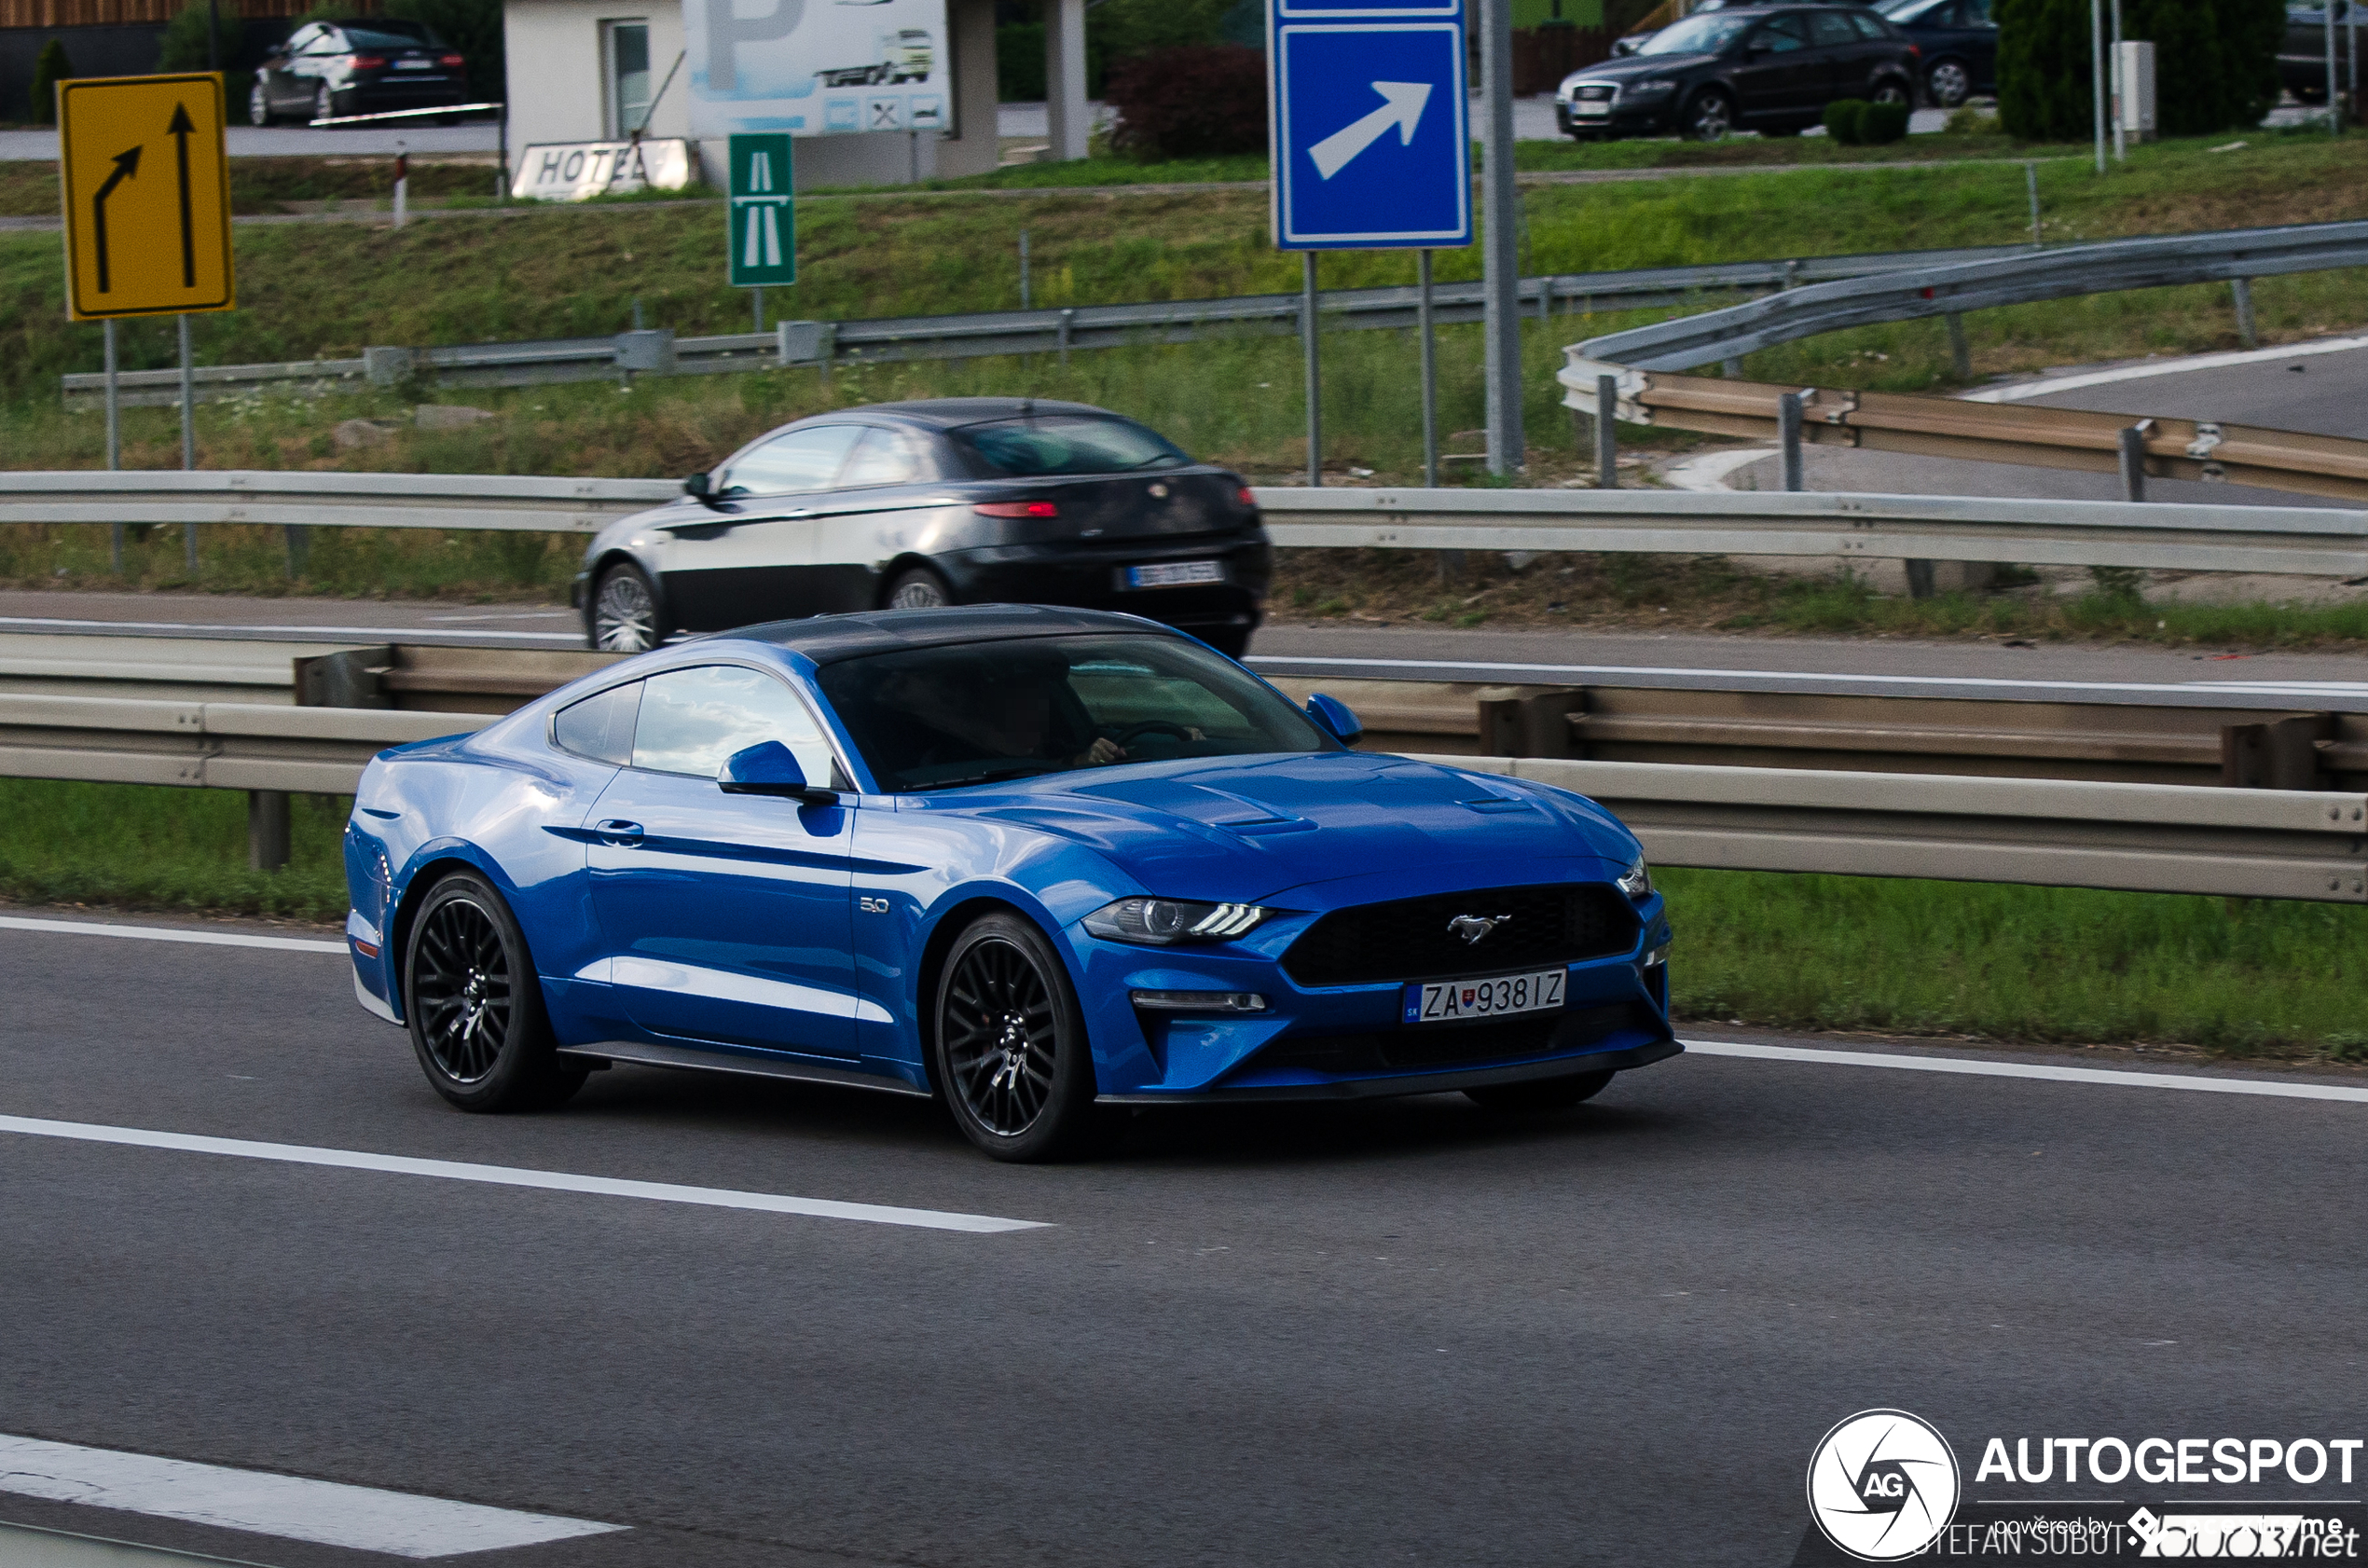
x,y
1592,107
1172,575
1447,1001
414,64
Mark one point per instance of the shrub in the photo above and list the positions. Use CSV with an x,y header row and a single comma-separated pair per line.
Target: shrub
x,y
1882,123
183,46
1845,118
1971,121
1197,100
2216,65
49,69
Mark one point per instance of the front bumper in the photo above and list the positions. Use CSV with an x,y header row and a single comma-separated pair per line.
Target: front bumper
x,y
1428,1083
1625,119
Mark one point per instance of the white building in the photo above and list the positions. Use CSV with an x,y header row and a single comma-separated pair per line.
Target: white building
x,y
598,70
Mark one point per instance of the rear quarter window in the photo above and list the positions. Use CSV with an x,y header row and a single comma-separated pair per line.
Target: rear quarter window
x,y
600,727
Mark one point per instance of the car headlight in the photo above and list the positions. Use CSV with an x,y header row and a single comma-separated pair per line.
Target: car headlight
x,y
1651,89
1165,922
1636,881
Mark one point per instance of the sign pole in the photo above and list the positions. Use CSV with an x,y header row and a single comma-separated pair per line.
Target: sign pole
x,y
1315,384
114,447
2334,99
188,438
1430,377
1500,258
756,299
2097,73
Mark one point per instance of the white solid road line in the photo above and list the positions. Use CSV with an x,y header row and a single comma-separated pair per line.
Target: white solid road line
x,y
510,1175
2049,385
167,933
360,1518
341,634
2114,1076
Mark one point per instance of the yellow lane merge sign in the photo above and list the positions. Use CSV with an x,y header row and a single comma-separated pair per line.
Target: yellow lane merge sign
x,y
147,195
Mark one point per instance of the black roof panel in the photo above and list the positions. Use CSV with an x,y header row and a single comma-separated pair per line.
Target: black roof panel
x,y
827,638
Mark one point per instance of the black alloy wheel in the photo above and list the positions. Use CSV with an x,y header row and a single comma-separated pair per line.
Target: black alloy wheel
x,y
1709,116
1540,1094
919,589
624,612
1010,1043
258,102
1950,84
473,1006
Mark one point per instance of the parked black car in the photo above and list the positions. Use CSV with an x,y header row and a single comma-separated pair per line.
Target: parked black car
x,y
1766,68
1958,41
365,67
2302,58
1630,43
954,500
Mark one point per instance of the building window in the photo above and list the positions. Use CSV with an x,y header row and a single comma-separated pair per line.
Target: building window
x,y
629,83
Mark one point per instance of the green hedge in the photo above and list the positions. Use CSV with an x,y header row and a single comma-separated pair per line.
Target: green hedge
x,y
2216,65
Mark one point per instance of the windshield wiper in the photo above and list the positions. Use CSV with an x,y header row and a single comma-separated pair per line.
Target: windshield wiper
x,y
994,774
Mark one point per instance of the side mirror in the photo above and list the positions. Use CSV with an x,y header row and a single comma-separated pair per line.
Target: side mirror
x,y
701,489
769,768
1332,716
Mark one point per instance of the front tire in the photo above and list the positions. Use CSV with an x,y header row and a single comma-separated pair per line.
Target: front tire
x,y
325,103
919,589
473,1006
1891,90
1542,1093
1709,118
1008,1044
258,104
626,617
1950,84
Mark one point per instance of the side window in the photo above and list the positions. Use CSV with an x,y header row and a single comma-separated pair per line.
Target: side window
x,y
1975,13
1782,35
1872,30
600,727
301,40
885,457
1832,28
693,719
327,41
802,459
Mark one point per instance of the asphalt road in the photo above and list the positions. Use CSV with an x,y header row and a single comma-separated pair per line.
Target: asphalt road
x,y
1400,1333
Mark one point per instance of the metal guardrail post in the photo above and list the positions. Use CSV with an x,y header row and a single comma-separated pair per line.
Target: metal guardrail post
x,y
299,551
1960,353
2133,460
1068,316
1606,439
267,829
2241,291
1788,412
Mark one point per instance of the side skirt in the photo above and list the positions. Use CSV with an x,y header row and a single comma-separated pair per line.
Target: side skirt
x,y
650,1055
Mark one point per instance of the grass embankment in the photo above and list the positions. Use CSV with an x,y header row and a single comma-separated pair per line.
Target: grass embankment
x,y
328,289
2025,963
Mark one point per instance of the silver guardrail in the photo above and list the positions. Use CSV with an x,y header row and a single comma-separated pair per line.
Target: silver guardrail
x,y
2168,838
2155,838
27,1545
2301,541
1052,330
1954,287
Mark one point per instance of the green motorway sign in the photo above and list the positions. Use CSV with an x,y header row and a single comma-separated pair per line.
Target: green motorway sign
x,y
764,230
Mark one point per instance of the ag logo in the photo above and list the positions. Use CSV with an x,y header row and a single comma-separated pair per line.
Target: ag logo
x,y
1882,1485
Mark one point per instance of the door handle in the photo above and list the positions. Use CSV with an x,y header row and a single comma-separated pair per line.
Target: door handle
x,y
616,830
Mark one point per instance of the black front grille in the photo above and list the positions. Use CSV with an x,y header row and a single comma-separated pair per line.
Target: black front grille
x,y
1410,938
1595,92
1452,1045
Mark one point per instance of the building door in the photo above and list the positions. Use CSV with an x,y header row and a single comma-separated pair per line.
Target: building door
x,y
629,84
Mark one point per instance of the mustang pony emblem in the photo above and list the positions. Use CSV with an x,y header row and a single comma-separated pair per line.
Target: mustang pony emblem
x,y
1471,928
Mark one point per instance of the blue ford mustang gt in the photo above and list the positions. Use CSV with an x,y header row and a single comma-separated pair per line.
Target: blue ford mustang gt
x,y
1037,862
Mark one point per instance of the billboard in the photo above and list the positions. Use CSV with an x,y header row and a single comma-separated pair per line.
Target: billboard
x,y
818,67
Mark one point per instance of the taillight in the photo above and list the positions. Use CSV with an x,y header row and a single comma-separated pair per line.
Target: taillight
x,y
452,60
365,62
1016,509
1247,497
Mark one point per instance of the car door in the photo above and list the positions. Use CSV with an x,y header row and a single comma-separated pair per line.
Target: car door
x,y
888,494
280,84
726,918
1845,62
752,560
1776,78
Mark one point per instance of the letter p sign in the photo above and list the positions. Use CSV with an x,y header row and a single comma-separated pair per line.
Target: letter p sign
x,y
726,26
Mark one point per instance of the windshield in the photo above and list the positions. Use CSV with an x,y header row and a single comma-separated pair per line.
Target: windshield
x,y
1697,35
1043,443
945,718
1905,11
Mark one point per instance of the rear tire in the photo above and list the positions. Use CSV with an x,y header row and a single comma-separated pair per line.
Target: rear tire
x,y
919,589
1542,1093
1008,1044
626,617
473,1006
1949,84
